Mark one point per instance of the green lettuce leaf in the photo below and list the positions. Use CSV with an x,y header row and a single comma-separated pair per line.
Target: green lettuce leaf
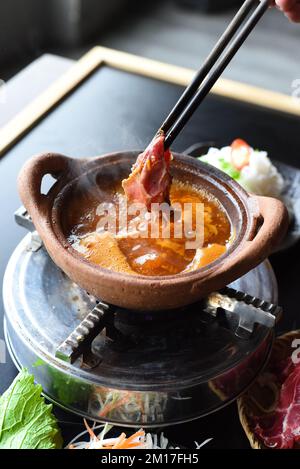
x,y
229,169
26,422
224,165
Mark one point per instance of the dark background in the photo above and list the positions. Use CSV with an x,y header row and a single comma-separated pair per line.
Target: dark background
x,y
114,110
181,32
29,28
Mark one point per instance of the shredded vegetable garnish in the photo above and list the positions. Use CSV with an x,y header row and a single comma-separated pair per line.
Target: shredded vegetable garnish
x,y
139,440
252,168
123,405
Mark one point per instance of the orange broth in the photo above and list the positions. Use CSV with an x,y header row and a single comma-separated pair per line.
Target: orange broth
x,y
161,256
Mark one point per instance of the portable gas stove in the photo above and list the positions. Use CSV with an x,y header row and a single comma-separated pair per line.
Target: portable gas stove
x,y
127,367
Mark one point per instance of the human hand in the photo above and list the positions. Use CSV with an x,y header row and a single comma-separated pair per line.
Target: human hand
x,y
291,9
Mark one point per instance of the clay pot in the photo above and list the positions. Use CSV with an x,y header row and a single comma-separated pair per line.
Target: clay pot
x,y
258,224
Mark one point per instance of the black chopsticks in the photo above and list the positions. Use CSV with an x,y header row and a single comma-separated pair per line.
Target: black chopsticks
x,y
213,67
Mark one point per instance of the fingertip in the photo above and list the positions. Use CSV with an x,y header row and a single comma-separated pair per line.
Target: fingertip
x,y
294,15
286,5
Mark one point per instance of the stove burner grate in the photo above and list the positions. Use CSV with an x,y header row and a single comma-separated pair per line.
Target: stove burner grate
x,y
234,310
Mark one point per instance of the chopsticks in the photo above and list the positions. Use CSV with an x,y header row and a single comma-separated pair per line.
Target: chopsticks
x,y
213,67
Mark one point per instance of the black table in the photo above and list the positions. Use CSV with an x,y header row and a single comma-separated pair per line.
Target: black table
x,y
115,110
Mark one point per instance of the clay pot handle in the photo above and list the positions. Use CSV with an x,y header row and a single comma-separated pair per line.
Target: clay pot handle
x,y
31,176
274,225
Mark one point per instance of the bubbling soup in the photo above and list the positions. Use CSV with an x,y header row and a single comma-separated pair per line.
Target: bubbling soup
x,y
134,249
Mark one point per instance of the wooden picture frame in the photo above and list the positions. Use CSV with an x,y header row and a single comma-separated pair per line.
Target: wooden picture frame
x,y
99,56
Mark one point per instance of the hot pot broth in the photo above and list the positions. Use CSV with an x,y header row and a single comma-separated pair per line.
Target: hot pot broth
x,y
124,252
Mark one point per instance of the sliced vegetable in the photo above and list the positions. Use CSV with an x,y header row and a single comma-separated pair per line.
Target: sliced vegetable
x,y
135,441
229,169
240,153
